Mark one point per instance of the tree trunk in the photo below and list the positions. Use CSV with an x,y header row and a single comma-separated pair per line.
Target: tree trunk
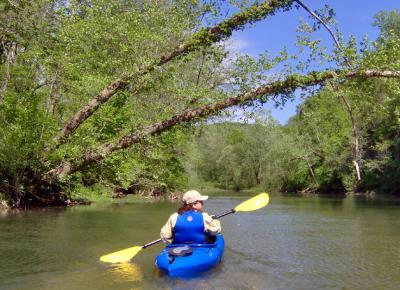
x,y
9,51
257,172
357,155
311,169
53,97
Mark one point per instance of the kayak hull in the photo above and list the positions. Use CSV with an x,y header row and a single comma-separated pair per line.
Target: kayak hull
x,y
203,258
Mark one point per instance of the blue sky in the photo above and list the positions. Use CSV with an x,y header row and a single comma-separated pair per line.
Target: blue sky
x,y
354,17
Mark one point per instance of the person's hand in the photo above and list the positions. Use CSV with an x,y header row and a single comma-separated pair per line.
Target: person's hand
x,y
166,241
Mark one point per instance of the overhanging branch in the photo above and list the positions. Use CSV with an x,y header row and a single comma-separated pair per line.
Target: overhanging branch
x,y
204,37
290,83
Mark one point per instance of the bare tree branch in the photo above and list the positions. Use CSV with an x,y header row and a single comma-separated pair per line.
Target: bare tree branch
x,y
322,22
337,43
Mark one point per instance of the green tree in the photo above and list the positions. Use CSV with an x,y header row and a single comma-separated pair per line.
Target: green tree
x,y
356,120
88,86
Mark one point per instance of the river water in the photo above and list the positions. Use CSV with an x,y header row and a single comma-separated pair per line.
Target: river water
x,y
293,243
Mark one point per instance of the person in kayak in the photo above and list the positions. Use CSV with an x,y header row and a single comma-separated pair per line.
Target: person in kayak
x,y
189,225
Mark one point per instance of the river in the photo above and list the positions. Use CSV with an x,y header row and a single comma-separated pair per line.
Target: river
x,y
292,243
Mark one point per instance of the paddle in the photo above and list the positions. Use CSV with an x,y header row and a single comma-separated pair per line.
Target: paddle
x,y
254,203
125,255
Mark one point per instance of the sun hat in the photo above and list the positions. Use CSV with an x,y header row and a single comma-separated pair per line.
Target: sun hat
x,y
192,196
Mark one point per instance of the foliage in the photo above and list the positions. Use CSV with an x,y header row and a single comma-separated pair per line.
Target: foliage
x,y
239,155
56,55
67,52
330,126
337,126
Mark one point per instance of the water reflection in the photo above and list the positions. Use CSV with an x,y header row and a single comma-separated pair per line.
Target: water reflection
x,y
335,203
376,201
126,272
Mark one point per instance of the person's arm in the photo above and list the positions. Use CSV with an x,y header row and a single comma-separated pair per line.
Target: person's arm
x,y
166,233
211,226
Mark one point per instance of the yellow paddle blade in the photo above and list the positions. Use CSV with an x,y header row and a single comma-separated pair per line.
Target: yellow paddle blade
x,y
122,256
254,203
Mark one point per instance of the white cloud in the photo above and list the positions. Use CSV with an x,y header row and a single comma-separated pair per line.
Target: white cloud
x,y
238,45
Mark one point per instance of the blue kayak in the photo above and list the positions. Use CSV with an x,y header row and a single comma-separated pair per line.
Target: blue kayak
x,y
182,260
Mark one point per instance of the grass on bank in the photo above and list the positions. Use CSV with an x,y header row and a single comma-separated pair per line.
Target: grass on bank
x,y
100,194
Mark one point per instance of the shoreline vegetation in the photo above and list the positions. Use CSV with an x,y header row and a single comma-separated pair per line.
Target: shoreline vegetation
x,y
104,96
103,196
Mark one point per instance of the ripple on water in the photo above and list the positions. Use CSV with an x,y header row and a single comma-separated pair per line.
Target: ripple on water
x,y
293,243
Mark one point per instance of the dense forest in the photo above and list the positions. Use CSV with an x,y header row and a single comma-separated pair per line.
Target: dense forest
x,y
345,137
115,93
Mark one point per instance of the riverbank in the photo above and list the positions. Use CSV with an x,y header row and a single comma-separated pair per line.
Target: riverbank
x,y
100,194
89,195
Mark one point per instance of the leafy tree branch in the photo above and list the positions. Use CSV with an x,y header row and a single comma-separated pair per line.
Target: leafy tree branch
x,y
288,85
204,37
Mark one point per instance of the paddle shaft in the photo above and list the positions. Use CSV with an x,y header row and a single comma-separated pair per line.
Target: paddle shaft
x,y
224,214
151,243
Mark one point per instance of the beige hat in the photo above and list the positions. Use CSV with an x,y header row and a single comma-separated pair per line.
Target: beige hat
x,y
192,196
